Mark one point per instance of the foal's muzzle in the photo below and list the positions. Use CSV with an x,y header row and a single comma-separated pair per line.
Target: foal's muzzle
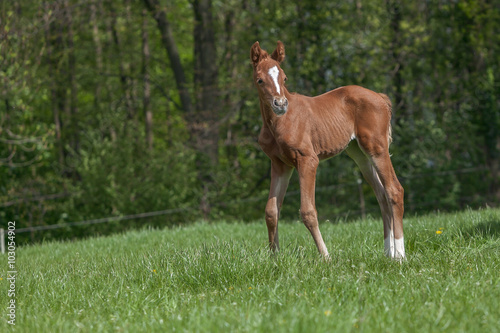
x,y
280,105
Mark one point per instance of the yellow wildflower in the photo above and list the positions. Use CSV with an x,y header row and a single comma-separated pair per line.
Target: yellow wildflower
x,y
439,232
328,312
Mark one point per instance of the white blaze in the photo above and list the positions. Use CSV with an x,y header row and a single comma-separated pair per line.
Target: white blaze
x,y
274,72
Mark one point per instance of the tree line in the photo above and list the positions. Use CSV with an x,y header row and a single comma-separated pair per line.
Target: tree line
x,y
116,107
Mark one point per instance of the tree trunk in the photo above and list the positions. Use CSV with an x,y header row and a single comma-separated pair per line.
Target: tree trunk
x,y
487,111
206,129
73,102
168,41
98,52
130,66
394,10
232,102
148,114
51,42
123,75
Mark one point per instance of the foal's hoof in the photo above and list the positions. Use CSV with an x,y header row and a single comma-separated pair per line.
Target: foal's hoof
x,y
397,257
326,257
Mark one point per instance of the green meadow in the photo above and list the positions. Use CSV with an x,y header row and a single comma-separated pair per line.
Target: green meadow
x,y
219,277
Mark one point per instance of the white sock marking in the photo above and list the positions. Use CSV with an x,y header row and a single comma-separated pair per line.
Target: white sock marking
x,y
274,72
394,248
399,245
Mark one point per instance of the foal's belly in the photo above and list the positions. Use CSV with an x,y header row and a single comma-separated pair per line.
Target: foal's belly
x,y
290,153
332,149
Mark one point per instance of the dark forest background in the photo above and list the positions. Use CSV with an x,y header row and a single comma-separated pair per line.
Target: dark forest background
x,y
120,107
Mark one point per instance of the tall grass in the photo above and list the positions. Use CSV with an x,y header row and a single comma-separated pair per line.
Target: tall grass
x,y
219,277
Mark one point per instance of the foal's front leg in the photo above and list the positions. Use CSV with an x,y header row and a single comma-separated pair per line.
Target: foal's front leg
x,y
306,168
280,177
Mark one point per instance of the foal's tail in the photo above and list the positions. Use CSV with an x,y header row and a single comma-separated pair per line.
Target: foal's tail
x,y
389,104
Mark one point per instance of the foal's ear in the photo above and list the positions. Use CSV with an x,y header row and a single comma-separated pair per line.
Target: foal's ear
x,y
257,54
279,53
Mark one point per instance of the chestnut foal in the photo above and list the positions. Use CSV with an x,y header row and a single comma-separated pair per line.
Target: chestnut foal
x,y
299,131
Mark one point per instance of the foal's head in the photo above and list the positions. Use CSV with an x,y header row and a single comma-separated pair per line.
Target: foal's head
x,y
269,77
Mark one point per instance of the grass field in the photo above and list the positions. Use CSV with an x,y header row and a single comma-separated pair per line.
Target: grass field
x,y
219,277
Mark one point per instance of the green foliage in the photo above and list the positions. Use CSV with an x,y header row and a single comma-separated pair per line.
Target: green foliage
x,y
110,184
72,107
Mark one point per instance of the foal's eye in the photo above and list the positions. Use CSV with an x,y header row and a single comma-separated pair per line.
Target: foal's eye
x,y
259,81
285,78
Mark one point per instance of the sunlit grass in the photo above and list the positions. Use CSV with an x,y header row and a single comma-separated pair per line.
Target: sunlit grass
x,y
214,277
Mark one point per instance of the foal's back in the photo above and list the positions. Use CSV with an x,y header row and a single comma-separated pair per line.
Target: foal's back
x,y
335,118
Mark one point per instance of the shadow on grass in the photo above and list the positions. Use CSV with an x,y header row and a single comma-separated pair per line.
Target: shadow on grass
x,y
488,229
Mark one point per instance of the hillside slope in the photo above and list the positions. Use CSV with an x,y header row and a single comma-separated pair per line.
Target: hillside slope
x,y
219,277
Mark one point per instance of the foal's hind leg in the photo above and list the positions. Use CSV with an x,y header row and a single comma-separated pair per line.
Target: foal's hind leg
x,y
370,174
394,242
375,164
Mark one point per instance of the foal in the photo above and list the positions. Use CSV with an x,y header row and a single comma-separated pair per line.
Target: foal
x,y
299,131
